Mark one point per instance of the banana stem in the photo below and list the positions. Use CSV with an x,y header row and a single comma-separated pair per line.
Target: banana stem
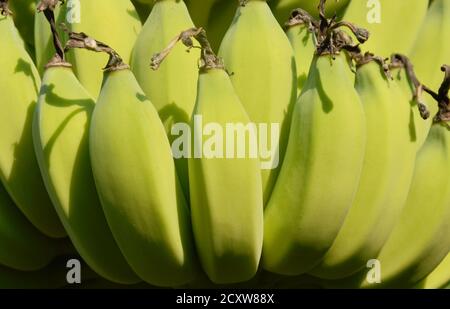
x,y
382,62
4,9
399,60
442,97
83,41
209,60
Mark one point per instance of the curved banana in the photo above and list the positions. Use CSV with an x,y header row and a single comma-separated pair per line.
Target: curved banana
x,y
120,29
321,171
22,246
173,88
434,30
386,175
419,241
136,180
61,132
303,43
261,61
439,278
391,29
19,170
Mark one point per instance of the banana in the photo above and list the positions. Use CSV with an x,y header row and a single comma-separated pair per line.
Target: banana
x,y
388,163
120,29
258,54
22,246
303,43
419,241
226,192
136,180
282,8
201,10
323,162
434,30
222,14
61,131
19,170
173,88
391,28
439,278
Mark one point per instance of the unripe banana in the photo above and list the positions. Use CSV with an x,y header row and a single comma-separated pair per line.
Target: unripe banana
x,y
258,54
386,175
19,171
224,172
143,8
23,13
222,14
433,32
393,24
201,10
22,246
61,132
173,88
419,241
321,170
120,28
137,183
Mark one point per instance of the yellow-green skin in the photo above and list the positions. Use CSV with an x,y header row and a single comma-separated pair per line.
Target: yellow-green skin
x,y
61,138
419,241
143,8
302,41
398,27
23,13
422,126
137,184
439,278
116,24
433,33
173,87
321,171
201,10
22,246
19,170
220,19
226,193
261,61
385,179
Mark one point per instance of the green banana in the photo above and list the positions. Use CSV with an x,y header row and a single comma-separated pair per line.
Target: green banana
x,y
303,43
61,131
22,246
143,8
121,33
434,30
201,10
225,192
392,30
388,163
173,88
323,162
19,170
282,8
258,53
135,177
439,278
222,14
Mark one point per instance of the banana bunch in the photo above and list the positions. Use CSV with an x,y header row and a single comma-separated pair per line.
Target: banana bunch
x,y
392,30
120,29
173,88
265,82
323,163
19,170
439,278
